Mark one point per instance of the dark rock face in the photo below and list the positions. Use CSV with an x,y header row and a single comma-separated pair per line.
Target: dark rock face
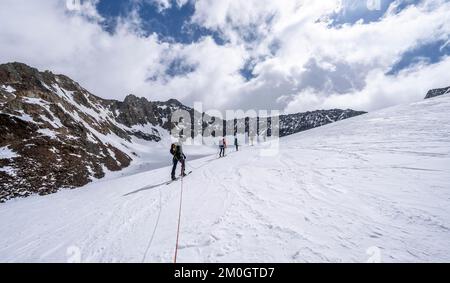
x,y
289,124
139,111
55,134
295,123
135,110
55,129
437,92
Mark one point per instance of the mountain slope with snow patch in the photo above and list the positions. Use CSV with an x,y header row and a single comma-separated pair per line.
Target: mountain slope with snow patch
x,y
63,136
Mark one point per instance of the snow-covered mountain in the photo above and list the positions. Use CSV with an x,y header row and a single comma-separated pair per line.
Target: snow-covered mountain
x,y
58,135
55,134
371,188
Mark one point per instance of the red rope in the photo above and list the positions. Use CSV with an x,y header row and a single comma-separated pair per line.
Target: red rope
x,y
179,221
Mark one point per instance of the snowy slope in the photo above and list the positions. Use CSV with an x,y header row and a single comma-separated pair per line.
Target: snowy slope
x,y
368,188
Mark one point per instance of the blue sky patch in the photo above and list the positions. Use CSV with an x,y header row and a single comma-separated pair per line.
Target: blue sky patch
x,y
172,24
247,71
429,53
179,67
367,10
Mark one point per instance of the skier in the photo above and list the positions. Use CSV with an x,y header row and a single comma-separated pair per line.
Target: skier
x,y
178,156
236,143
222,146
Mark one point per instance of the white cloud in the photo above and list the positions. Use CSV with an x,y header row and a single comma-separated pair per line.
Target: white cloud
x,y
318,66
215,76
380,90
43,34
301,62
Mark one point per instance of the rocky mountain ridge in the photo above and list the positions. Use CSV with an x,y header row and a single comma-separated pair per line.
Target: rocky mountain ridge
x,y
55,134
437,92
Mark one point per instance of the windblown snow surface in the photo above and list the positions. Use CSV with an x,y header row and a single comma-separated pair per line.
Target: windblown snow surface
x,y
375,185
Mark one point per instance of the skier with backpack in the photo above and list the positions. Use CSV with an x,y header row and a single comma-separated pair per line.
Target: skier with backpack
x,y
178,156
222,147
236,144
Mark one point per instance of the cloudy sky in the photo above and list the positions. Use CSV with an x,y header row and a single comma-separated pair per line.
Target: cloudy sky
x,y
291,55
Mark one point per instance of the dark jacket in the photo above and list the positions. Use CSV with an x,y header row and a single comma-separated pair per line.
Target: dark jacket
x,y
177,152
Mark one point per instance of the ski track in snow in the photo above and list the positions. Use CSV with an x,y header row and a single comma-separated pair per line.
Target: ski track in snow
x,y
378,180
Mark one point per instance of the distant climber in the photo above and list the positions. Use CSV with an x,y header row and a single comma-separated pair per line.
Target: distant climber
x,y
178,156
252,140
222,147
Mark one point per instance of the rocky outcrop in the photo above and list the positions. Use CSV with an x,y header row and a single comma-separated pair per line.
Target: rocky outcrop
x,y
437,92
55,128
294,123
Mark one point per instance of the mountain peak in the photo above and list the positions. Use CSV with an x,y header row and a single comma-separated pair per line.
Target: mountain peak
x,y
133,99
16,72
174,102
